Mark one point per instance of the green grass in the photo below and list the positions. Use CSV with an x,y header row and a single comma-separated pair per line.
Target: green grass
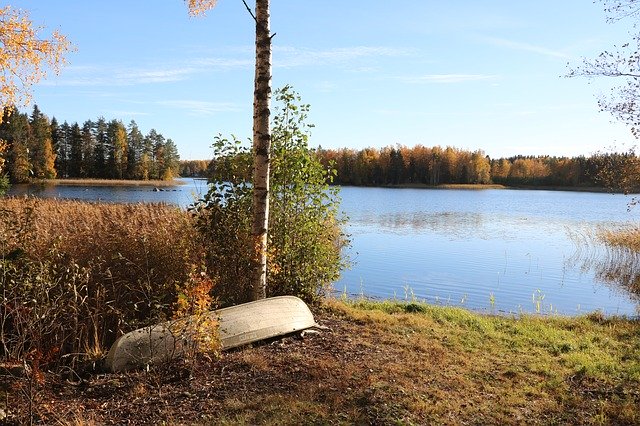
x,y
557,369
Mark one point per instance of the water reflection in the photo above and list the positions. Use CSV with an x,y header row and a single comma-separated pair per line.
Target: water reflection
x,y
499,251
461,225
454,224
615,266
494,250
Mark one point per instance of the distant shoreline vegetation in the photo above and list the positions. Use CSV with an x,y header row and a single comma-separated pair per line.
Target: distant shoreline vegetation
x,y
453,168
485,186
108,182
38,148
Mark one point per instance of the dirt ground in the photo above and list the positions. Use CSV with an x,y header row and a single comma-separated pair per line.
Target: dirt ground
x,y
242,386
355,372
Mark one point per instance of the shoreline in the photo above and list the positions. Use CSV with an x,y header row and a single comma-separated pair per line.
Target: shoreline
x,y
480,187
106,182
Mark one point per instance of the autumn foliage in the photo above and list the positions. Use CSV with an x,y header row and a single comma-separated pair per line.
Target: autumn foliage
x,y
199,7
25,57
422,165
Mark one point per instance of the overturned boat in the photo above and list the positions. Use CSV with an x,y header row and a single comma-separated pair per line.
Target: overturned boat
x,y
238,325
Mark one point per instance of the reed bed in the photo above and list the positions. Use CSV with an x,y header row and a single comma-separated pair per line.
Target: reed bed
x,y
621,263
75,275
624,238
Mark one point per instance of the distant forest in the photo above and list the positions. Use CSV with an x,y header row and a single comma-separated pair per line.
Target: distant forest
x,y
401,165
39,148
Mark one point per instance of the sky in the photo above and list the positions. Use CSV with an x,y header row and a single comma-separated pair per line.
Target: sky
x,y
484,74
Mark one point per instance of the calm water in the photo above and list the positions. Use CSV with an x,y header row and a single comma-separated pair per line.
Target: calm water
x,y
492,250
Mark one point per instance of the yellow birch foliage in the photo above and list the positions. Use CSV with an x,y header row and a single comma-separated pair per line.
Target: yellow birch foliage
x,y
3,152
199,7
24,56
193,315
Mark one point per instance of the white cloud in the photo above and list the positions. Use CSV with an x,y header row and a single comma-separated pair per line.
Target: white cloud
x,y
524,47
143,76
111,76
201,107
126,113
447,78
221,63
288,57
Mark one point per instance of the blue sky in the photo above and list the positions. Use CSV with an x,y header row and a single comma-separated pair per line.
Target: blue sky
x,y
471,74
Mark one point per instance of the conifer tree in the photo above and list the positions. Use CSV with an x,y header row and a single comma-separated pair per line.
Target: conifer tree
x,y
101,148
63,151
75,159
88,164
15,130
135,141
171,161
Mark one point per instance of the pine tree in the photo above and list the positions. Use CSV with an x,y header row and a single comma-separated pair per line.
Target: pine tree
x,y
134,154
101,149
152,150
88,164
75,159
63,151
171,161
15,130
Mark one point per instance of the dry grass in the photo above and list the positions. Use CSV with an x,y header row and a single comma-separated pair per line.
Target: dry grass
x,y
76,275
627,238
621,265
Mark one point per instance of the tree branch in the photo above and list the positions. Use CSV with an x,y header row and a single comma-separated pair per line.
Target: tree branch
x,y
250,11
254,17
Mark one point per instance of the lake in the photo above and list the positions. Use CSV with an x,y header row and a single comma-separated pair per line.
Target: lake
x,y
502,251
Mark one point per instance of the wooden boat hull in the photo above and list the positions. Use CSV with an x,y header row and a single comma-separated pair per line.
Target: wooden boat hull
x,y
238,325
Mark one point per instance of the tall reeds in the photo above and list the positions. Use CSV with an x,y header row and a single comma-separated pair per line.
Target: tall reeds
x,y
76,275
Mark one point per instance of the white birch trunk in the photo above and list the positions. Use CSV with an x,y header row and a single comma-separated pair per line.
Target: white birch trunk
x,y
261,147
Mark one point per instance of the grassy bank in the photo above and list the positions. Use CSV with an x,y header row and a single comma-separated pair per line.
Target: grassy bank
x,y
386,363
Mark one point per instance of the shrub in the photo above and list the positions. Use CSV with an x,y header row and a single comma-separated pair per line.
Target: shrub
x,y
305,238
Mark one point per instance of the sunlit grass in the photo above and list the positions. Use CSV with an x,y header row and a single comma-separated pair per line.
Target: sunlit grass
x,y
518,365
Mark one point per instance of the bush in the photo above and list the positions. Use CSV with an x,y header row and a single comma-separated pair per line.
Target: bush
x,y
305,238
77,275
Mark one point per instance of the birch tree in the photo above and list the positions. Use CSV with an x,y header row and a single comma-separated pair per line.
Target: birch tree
x,y
261,135
25,57
621,62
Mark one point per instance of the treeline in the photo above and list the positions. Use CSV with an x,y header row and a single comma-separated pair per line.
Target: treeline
x,y
402,165
196,168
39,148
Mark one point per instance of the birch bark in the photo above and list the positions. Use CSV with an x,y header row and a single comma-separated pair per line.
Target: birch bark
x,y
261,147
